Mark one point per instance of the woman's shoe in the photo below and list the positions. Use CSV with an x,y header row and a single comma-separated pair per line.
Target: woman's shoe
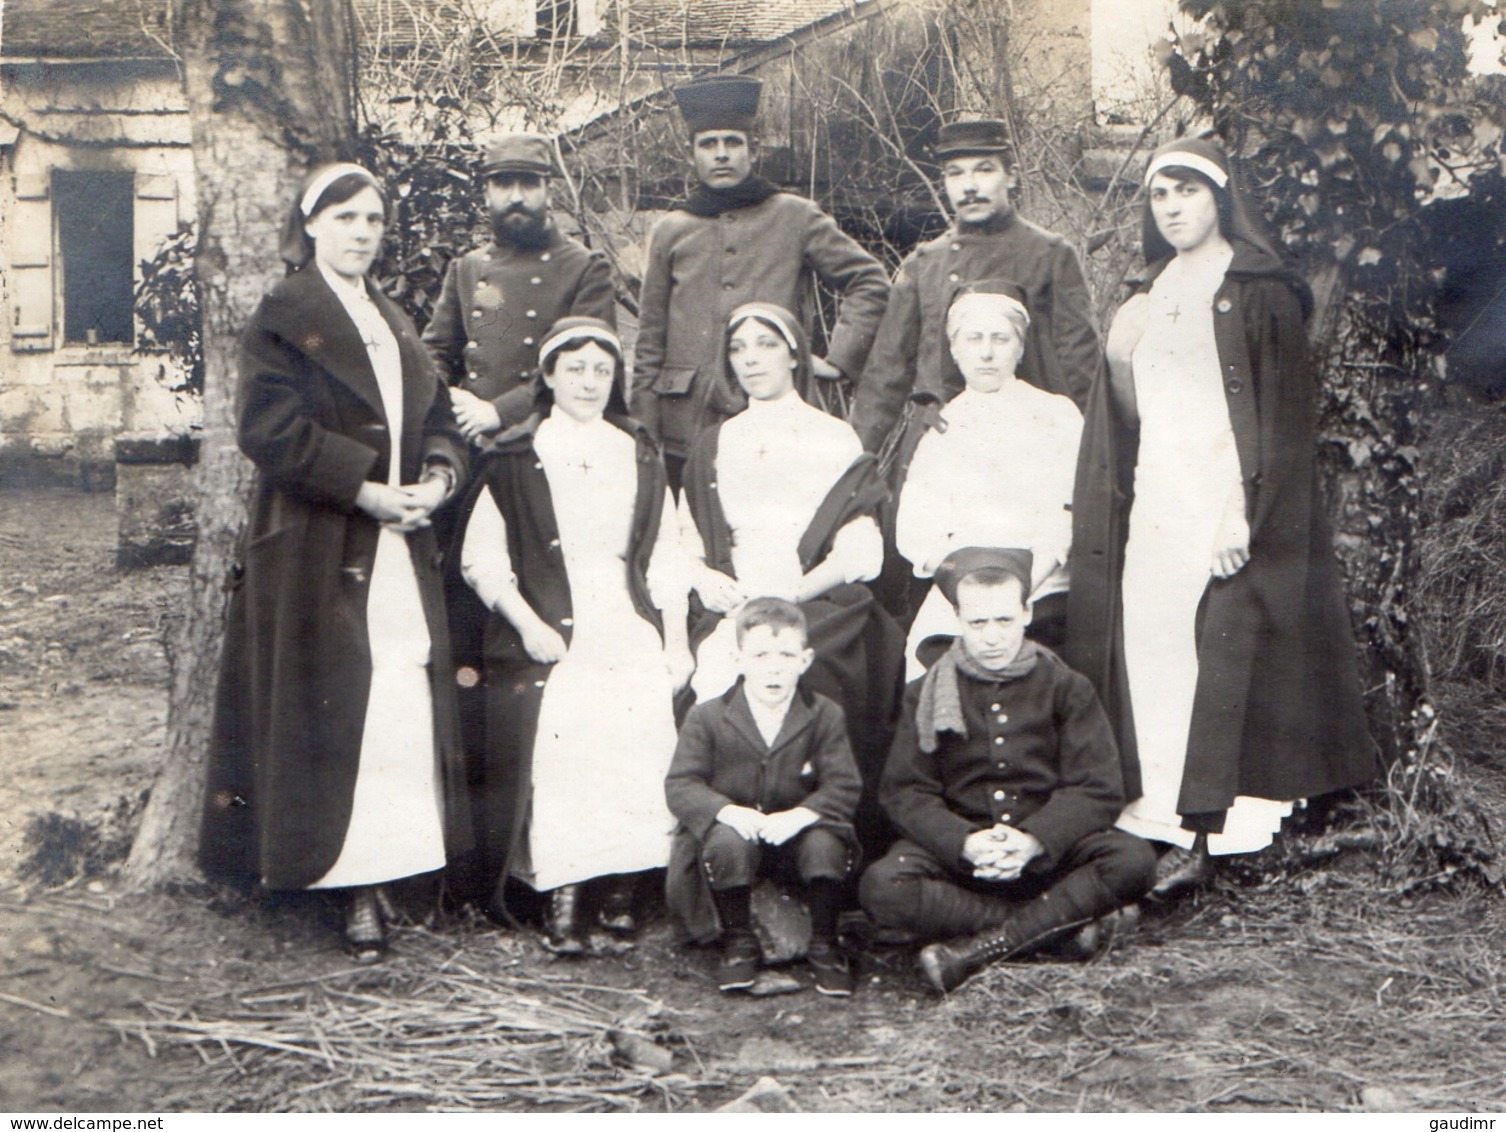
x,y
561,928
365,938
1182,870
616,909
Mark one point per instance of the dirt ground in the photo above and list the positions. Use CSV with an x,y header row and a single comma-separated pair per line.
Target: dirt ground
x,y
1315,983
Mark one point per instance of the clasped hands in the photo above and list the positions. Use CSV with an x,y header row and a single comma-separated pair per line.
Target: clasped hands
x,y
405,508
1000,852
772,829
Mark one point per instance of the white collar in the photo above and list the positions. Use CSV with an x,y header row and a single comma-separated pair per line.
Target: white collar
x,y
564,421
790,402
354,288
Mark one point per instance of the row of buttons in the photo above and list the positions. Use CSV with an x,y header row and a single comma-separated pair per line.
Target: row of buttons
x,y
999,717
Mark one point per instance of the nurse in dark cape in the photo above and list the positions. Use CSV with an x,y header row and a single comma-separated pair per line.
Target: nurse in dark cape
x,y
335,759
1206,604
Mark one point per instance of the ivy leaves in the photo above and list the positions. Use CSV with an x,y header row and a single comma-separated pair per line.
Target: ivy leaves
x,y
1353,114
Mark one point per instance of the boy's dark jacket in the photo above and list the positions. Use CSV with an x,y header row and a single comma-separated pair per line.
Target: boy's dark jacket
x,y
1039,755
721,759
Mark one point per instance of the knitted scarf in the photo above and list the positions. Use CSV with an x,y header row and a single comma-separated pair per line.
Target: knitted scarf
x,y
713,202
940,706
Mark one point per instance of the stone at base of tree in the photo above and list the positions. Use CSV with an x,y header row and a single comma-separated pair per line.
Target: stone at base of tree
x,y
781,921
766,1095
154,514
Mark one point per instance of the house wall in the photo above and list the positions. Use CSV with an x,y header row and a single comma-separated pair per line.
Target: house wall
x,y
64,405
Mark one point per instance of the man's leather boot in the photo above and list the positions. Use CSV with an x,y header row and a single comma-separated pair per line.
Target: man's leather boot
x,y
1077,899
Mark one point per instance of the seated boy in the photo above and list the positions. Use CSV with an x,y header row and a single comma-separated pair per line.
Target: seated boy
x,y
764,783
1004,782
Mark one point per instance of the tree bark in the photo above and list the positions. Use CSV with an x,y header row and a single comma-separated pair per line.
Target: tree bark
x,y
269,86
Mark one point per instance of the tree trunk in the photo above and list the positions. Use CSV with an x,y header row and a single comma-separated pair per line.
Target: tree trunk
x,y
269,86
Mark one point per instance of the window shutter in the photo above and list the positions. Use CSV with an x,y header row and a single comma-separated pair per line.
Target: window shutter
x,y
156,219
31,264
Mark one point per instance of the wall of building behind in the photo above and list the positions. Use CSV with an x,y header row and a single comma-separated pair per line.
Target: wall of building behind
x,y
66,401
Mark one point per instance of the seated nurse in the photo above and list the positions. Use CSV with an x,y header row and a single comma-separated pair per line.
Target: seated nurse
x,y
780,501
995,468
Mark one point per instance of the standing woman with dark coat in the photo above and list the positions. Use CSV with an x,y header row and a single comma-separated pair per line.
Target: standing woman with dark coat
x,y
1205,604
335,760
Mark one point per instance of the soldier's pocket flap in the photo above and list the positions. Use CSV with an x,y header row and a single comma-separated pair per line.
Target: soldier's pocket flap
x,y
674,381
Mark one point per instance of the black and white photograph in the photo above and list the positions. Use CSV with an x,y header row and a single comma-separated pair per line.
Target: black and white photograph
x,y
753,556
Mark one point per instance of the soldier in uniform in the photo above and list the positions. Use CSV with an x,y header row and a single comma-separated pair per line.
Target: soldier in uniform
x,y
988,240
498,300
736,239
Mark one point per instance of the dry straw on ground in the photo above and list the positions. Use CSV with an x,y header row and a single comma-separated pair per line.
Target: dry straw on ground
x,y
1322,990
441,1025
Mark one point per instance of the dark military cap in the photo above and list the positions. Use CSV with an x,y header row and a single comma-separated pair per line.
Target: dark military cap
x,y
517,153
719,102
978,136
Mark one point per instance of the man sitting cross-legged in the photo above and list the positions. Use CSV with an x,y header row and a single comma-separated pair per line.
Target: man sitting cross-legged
x,y
1004,781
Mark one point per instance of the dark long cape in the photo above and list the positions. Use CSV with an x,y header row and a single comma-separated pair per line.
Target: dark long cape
x,y
1278,710
291,702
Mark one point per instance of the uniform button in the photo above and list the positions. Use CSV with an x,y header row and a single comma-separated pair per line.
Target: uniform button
x,y
994,707
538,683
998,740
998,795
956,247
535,281
1236,386
1005,817
470,377
726,286
470,345
1002,718
554,542
533,314
953,277
476,313
538,467
567,621
1225,306
528,341
544,258
522,373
